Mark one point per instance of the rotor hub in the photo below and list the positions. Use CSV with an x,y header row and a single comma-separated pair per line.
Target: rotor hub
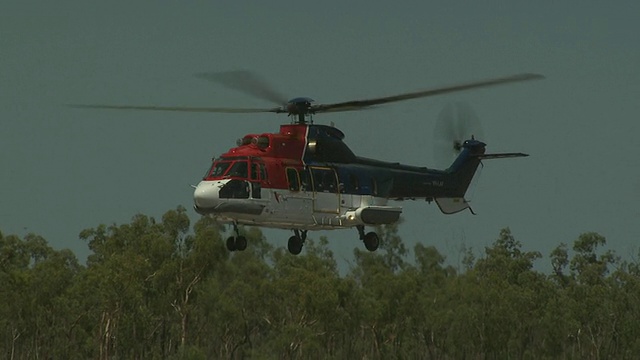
x,y
300,107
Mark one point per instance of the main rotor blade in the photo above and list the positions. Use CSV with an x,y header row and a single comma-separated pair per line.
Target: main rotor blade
x,y
352,105
246,82
177,108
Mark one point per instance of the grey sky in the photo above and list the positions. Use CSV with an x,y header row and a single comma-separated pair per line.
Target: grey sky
x,y
66,169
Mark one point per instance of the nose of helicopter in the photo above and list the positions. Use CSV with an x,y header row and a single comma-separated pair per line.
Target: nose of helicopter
x,y
206,194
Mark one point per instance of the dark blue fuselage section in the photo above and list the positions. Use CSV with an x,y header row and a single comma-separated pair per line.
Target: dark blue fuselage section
x,y
361,176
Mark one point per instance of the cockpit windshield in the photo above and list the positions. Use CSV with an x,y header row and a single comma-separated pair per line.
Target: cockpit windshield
x,y
219,168
238,169
227,168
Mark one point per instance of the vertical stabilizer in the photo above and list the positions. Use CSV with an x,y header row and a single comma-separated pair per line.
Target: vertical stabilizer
x,y
460,174
464,167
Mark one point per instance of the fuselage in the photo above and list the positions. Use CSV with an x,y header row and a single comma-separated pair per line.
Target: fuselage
x,y
305,177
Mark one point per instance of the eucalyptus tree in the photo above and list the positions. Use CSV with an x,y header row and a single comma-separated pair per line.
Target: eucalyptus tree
x,y
37,316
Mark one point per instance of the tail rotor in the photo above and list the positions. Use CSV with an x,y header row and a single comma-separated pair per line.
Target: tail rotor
x,y
456,123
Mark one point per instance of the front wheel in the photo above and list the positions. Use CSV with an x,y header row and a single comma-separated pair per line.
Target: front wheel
x,y
241,243
295,245
231,243
371,241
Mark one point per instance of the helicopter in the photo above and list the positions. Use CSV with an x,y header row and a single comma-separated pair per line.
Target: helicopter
x,y
305,177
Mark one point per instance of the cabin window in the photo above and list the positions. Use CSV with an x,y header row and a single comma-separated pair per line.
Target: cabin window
x,y
293,179
324,180
305,180
353,183
374,186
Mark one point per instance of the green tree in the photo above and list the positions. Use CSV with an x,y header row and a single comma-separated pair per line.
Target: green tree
x,y
144,278
231,309
507,299
36,281
593,297
304,300
161,289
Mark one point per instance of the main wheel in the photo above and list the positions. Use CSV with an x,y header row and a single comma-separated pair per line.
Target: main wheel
x,y
295,245
241,243
371,241
231,243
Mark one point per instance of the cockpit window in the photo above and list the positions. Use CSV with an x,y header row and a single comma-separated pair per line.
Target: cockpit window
x,y
254,171
239,169
263,172
219,169
236,169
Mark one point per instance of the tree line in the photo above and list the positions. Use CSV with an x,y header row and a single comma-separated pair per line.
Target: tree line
x,y
166,289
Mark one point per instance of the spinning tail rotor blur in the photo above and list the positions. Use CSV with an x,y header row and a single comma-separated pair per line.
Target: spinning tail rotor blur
x,y
456,123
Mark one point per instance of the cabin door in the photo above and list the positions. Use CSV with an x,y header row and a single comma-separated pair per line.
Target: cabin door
x,y
326,195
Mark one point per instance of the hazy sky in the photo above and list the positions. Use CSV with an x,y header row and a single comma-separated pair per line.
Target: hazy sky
x,y
64,170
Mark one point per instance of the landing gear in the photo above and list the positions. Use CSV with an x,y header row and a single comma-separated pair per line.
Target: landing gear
x,y
295,245
296,241
231,243
241,243
237,242
371,240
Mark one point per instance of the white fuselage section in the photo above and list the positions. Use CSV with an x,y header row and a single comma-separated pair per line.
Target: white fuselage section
x,y
280,208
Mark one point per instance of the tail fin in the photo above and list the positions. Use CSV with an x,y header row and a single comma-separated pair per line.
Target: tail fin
x,y
464,167
461,173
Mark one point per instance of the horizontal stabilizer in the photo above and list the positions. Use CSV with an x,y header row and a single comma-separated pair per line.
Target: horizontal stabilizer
x,y
453,205
501,155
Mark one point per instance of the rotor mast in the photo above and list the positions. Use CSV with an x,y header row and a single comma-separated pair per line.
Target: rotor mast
x,y
301,107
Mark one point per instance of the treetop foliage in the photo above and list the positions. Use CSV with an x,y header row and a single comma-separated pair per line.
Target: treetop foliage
x,y
166,289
